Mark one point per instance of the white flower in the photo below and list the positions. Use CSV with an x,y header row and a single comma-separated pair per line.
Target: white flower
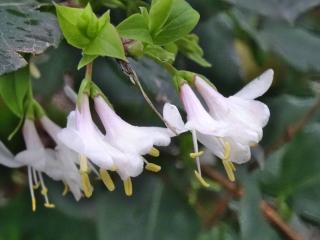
x,y
82,136
132,140
35,157
241,117
65,166
126,137
198,118
245,116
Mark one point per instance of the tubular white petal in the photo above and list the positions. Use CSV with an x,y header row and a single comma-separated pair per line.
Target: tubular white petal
x,y
172,115
126,137
257,87
7,158
198,118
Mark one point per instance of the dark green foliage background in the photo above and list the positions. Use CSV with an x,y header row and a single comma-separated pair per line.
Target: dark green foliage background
x,y
240,38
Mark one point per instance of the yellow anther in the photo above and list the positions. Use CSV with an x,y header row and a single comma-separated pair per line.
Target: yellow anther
x,y
87,187
65,190
107,180
227,150
229,167
49,205
44,191
83,164
196,154
128,186
114,168
34,204
36,186
154,152
152,167
200,178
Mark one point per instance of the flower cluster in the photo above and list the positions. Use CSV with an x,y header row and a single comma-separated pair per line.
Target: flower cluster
x,y
230,126
120,149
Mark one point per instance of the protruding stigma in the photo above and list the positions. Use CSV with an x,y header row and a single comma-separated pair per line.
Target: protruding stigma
x,y
128,186
154,152
33,199
44,192
34,204
228,165
107,180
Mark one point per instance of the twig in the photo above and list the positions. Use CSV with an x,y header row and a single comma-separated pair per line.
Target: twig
x,y
292,130
269,212
272,215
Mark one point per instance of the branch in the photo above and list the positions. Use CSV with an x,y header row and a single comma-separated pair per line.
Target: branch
x,y
269,212
292,130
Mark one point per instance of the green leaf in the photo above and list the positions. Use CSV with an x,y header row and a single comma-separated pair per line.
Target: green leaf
x,y
107,42
24,29
14,88
220,231
68,21
86,59
220,31
158,53
189,46
297,178
158,14
94,36
135,27
146,216
286,41
182,19
251,219
283,9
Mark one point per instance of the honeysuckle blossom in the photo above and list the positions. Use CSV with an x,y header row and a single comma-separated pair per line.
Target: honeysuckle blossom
x,y
35,158
131,140
126,137
232,125
65,166
82,136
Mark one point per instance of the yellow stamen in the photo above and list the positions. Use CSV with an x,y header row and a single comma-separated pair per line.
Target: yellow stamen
x,y
194,155
152,167
66,189
229,169
83,164
107,180
154,152
44,191
114,168
49,205
128,186
36,186
85,180
227,150
228,165
87,187
34,204
200,178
